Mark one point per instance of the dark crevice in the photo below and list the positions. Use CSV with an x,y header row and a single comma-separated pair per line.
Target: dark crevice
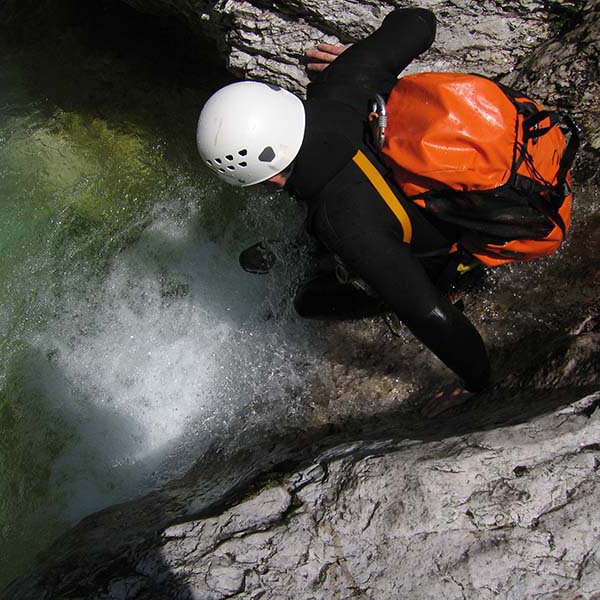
x,y
588,411
102,56
160,41
567,15
520,470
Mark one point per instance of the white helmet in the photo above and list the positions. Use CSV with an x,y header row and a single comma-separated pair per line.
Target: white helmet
x,y
249,131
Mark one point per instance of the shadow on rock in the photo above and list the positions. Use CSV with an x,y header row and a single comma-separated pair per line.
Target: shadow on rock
x,y
120,552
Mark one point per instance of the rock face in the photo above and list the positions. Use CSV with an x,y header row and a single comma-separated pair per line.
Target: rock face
x,y
505,513
265,39
565,72
549,49
496,499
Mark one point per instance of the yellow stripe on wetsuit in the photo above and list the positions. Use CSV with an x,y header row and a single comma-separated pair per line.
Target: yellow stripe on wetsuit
x,y
385,191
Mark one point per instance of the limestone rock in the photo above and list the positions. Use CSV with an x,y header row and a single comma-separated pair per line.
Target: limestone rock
x,y
265,40
504,513
550,50
565,72
495,500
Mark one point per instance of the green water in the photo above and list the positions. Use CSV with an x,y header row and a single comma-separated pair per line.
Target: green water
x,y
95,139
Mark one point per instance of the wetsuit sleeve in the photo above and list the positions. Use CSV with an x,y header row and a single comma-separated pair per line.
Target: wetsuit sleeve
x,y
373,64
357,225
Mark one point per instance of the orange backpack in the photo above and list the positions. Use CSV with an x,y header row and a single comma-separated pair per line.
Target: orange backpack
x,y
485,158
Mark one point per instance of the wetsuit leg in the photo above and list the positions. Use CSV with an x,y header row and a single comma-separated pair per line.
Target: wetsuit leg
x,y
324,297
354,223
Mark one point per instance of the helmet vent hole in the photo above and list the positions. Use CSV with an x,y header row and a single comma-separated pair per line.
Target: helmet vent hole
x,y
243,164
209,162
229,157
218,161
243,152
221,170
267,155
231,168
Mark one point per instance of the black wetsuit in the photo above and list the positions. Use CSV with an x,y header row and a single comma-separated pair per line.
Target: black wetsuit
x,y
350,218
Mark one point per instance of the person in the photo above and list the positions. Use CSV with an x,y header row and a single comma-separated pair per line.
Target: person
x,y
320,151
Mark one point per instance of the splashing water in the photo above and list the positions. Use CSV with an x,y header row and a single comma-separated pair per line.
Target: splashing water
x,y
131,339
174,336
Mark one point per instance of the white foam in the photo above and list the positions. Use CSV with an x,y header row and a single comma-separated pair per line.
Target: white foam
x,y
170,348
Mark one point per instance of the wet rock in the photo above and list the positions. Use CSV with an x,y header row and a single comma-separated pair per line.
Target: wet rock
x,y
570,361
548,49
565,72
504,513
265,40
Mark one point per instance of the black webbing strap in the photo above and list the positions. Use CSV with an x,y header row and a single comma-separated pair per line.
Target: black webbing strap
x,y
530,124
549,207
532,131
559,191
570,151
545,198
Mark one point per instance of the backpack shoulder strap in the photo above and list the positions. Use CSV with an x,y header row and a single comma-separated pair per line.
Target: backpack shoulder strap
x,y
570,151
385,191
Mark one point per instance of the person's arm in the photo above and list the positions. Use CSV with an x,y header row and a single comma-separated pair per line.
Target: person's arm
x,y
372,65
391,269
355,224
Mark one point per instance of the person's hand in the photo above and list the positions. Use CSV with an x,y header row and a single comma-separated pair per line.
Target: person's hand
x,y
448,397
326,54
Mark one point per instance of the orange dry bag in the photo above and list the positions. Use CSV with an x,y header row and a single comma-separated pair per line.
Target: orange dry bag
x,y
485,158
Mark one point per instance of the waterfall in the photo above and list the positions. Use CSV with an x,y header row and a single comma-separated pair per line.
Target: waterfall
x,y
132,341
